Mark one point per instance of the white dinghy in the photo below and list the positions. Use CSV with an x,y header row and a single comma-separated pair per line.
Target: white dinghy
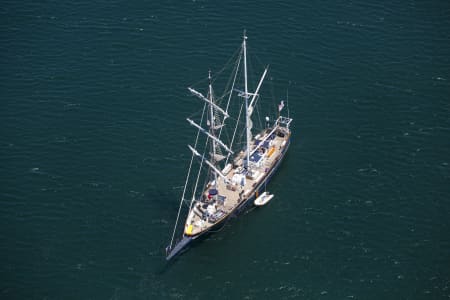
x,y
263,199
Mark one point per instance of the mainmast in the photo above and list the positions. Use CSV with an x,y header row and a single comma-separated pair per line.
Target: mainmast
x,y
247,118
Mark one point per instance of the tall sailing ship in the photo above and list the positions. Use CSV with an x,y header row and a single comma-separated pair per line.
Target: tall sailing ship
x,y
229,167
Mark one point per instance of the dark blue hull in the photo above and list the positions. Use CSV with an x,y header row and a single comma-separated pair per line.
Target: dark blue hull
x,y
186,240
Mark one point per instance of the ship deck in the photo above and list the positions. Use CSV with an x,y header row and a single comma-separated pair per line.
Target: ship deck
x,y
221,198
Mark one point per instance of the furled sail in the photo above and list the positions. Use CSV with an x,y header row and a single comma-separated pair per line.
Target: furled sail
x,y
217,171
217,157
209,135
200,95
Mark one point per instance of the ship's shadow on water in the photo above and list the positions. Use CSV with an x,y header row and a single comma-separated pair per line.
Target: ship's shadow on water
x,y
226,230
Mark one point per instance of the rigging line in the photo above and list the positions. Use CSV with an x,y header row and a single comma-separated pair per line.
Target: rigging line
x,y
198,175
231,91
272,94
257,59
205,181
185,202
231,79
232,58
235,130
287,99
227,64
259,117
212,122
185,185
252,66
210,164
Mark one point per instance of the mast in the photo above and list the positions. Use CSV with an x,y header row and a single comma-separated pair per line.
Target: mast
x,y
211,127
247,120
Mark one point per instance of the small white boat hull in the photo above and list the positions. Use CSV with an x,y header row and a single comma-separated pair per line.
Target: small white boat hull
x,y
263,199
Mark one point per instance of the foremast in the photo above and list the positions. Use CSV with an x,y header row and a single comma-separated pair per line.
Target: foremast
x,y
212,127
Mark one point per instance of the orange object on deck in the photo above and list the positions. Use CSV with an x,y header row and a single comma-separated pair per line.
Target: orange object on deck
x,y
271,151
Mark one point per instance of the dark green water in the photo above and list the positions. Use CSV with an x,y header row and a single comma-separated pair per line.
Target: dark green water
x,y
93,150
